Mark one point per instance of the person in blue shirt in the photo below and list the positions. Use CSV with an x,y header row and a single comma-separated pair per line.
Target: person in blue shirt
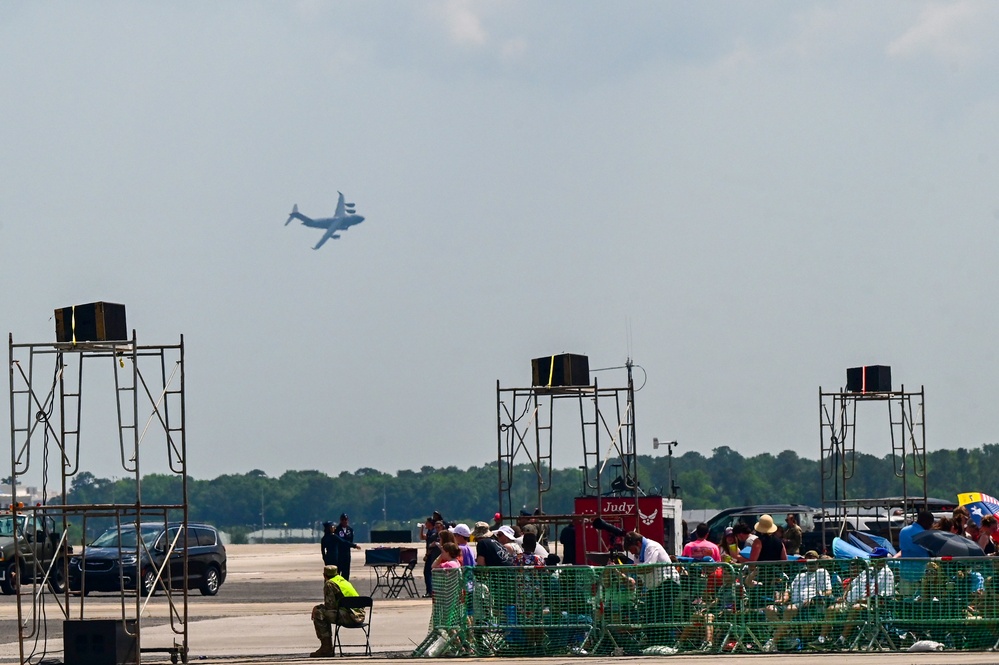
x,y
910,572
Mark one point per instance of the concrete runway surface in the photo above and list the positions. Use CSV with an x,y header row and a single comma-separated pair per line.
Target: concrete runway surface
x,y
261,615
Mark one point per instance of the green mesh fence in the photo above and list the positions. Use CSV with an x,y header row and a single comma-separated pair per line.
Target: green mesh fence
x,y
824,605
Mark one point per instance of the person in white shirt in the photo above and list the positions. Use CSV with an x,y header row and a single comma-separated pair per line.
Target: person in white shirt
x,y
875,580
810,588
661,581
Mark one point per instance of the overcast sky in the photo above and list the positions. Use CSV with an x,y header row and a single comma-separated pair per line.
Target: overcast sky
x,y
746,198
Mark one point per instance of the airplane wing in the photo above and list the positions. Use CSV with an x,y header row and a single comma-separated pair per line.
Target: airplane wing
x,y
339,206
330,233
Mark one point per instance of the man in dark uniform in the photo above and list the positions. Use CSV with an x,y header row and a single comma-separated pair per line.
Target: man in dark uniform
x,y
345,533
329,545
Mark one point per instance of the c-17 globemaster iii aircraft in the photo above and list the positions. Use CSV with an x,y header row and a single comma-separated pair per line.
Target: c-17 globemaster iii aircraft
x,y
342,219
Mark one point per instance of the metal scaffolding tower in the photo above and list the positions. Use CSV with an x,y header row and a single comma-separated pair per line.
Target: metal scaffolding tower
x,y
47,391
526,419
838,454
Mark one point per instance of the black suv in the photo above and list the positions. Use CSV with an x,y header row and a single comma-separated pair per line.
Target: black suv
x,y
750,514
120,559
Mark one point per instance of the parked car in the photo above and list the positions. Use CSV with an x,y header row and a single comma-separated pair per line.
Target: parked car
x,y
34,540
122,558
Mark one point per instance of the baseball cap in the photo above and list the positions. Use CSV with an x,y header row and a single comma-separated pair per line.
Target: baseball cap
x,y
461,530
811,554
879,553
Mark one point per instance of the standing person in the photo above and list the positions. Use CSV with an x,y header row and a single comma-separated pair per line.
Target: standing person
x,y
345,533
329,613
910,573
792,534
329,545
430,555
567,538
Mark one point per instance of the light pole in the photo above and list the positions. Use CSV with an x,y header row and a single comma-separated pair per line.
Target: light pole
x,y
673,487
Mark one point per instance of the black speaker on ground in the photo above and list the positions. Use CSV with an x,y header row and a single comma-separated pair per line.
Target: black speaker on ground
x,y
566,369
869,379
99,642
93,322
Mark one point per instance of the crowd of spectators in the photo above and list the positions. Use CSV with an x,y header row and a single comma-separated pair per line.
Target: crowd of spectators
x,y
750,577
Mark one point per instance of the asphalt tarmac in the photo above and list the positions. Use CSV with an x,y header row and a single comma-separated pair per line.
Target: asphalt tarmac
x,y
261,615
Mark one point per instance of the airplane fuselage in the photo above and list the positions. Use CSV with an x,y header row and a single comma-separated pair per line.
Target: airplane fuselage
x,y
337,223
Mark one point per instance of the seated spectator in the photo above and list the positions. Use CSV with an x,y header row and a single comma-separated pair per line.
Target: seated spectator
x,y
933,584
507,537
985,533
526,557
538,550
729,546
701,547
810,589
745,537
329,613
767,546
461,535
874,581
959,521
489,551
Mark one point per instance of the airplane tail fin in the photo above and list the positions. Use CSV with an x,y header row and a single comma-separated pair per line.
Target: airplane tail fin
x,y
294,213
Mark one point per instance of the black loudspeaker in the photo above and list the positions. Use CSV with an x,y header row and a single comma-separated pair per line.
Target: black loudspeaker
x,y
869,379
99,642
93,322
566,369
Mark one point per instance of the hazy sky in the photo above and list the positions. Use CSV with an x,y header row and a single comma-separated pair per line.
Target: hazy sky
x,y
746,198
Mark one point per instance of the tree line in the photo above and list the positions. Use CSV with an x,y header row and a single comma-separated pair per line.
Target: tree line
x,y
240,503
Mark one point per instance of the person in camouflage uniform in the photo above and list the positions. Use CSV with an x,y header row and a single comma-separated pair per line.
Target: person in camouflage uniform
x,y
330,612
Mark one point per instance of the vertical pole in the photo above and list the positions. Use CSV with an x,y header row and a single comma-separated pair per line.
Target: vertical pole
x,y
499,451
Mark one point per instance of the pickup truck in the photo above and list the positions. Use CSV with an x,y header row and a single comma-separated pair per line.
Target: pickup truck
x,y
35,544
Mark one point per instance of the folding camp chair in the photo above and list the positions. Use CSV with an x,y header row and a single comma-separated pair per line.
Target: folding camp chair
x,y
356,602
403,581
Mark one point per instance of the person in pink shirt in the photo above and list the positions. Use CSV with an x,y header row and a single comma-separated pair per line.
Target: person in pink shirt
x,y
701,547
450,557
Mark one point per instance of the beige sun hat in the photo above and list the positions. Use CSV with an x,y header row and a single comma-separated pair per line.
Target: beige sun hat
x,y
766,524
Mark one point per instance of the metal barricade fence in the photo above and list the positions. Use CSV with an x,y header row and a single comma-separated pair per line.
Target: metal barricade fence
x,y
660,609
